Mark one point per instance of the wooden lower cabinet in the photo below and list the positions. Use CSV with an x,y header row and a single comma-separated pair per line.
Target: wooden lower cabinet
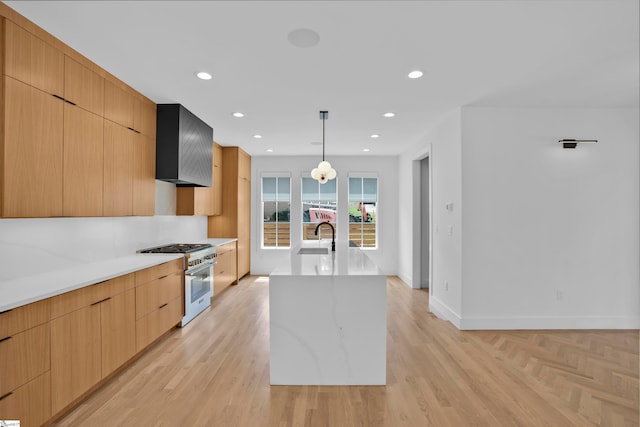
x,y
24,356
89,343
225,272
76,362
25,364
117,317
30,403
52,352
159,301
156,323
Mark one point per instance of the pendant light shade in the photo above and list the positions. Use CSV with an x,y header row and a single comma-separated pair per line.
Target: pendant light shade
x,y
324,172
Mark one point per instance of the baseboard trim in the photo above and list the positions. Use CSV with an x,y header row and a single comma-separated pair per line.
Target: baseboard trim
x,y
548,322
441,310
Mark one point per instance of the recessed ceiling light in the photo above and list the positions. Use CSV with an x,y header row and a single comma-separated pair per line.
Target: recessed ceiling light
x,y
256,136
389,114
375,135
303,37
366,149
237,114
269,150
204,76
416,74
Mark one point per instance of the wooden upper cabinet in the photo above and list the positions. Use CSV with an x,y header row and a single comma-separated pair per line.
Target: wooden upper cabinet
x,y
83,87
244,165
83,163
144,175
118,105
32,169
118,170
217,180
32,61
144,117
198,200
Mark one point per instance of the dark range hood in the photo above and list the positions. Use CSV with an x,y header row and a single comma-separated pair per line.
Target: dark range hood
x,y
184,147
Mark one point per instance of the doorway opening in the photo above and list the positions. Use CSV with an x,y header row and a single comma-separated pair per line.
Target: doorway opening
x,y
425,213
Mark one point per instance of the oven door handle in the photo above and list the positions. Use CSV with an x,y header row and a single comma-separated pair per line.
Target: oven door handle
x,y
199,269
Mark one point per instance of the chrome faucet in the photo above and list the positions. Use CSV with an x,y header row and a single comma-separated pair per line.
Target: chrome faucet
x,y
333,234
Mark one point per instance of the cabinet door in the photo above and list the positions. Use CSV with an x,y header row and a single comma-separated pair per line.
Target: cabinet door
x,y
24,356
118,105
83,87
144,117
217,180
75,355
83,163
31,403
32,152
244,165
32,61
244,226
144,175
118,321
118,170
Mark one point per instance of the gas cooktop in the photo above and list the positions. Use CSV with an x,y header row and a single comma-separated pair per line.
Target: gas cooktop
x,y
176,248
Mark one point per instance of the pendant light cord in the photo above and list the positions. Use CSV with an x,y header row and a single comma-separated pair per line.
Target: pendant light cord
x,y
323,138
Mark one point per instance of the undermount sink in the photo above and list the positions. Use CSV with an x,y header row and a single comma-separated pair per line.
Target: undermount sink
x,y
313,251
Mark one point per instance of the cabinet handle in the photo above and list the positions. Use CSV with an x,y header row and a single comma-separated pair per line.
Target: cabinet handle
x,y
222,272
102,300
136,131
160,278
5,339
163,305
69,102
58,96
6,395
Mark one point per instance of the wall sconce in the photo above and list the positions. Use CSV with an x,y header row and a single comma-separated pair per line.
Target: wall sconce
x,y
571,143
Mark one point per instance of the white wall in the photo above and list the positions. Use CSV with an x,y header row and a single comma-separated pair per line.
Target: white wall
x,y
386,167
443,145
551,235
38,245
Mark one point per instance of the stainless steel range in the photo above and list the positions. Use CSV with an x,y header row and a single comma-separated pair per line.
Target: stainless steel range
x,y
199,259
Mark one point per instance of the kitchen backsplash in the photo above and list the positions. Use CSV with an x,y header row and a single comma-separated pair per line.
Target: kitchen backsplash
x,y
34,246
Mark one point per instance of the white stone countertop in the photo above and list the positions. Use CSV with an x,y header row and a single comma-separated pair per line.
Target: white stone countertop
x,y
24,290
345,261
220,241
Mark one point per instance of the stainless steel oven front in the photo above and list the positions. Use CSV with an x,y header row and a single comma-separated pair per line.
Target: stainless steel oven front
x,y
198,289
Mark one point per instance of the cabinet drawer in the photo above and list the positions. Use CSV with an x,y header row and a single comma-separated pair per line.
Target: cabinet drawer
x,y
31,403
24,356
152,295
226,248
148,274
156,323
74,300
24,317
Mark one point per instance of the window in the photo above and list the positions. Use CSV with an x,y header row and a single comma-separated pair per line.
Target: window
x,y
363,205
319,204
276,206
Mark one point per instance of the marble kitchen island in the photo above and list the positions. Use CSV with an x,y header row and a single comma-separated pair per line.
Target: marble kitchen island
x,y
328,318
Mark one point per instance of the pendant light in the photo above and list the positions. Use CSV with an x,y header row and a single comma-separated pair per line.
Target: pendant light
x,y
324,172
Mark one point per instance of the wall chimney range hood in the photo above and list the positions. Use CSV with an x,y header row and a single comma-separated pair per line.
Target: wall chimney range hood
x,y
184,147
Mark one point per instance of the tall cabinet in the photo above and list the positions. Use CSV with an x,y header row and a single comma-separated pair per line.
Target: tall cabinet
x,y
235,217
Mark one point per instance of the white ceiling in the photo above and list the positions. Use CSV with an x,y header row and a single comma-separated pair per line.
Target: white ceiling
x,y
550,53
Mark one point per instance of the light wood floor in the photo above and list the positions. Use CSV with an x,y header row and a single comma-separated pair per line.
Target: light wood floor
x,y
215,372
